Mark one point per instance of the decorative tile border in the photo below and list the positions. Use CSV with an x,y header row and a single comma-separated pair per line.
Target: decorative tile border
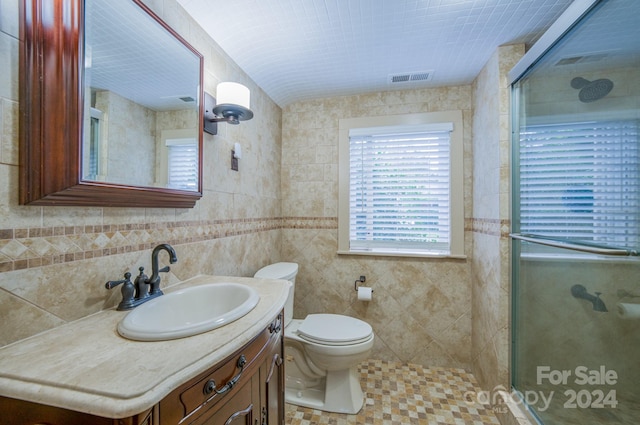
x,y
310,223
23,248
35,247
489,226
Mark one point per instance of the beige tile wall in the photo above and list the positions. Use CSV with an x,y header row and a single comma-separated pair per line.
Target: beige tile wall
x,y
421,308
491,221
128,120
54,261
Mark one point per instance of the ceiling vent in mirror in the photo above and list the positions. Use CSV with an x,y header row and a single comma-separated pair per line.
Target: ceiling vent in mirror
x,y
409,77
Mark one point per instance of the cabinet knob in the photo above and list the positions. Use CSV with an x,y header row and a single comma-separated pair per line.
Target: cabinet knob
x,y
209,387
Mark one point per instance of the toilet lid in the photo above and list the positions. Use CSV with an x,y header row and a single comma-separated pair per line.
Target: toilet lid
x,y
278,271
334,329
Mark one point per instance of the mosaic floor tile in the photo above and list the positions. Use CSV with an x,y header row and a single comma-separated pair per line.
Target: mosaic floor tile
x,y
406,394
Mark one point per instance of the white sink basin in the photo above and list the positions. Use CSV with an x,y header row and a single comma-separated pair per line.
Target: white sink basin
x,y
188,312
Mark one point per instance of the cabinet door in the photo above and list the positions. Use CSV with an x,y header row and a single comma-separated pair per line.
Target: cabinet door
x,y
274,386
273,375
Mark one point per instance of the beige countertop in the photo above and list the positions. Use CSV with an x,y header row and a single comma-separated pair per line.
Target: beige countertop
x,y
88,367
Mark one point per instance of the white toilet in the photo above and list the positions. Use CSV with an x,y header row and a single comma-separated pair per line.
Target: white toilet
x,y
323,352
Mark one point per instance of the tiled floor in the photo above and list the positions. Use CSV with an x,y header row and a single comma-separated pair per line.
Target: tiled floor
x,y
407,394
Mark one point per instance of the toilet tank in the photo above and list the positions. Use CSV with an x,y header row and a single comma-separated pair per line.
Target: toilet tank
x,y
286,271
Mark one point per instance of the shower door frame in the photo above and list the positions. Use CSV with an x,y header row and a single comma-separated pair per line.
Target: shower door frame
x,y
569,18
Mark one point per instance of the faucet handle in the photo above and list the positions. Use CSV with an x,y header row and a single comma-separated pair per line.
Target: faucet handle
x,y
113,283
142,290
165,269
127,291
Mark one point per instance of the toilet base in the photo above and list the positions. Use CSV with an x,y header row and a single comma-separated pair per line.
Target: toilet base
x,y
339,392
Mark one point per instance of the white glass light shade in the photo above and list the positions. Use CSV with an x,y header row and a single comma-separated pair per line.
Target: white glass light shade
x,y
233,94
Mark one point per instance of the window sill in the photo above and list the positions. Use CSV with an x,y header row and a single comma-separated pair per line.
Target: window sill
x,y
403,254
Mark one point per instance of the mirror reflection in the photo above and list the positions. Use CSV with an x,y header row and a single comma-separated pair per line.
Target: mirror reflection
x,y
141,100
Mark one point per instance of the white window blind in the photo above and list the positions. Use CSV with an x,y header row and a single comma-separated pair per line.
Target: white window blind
x,y
580,181
182,164
94,147
95,144
399,188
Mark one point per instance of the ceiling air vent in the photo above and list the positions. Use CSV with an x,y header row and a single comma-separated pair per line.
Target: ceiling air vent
x,y
590,57
408,77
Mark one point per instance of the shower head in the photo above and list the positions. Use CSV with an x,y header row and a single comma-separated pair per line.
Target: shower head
x,y
590,91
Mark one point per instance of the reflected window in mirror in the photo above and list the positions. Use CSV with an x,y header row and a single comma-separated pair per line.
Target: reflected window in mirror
x,y
181,151
183,166
92,163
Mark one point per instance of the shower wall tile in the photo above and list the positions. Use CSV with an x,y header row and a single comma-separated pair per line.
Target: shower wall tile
x,y
421,308
490,333
54,261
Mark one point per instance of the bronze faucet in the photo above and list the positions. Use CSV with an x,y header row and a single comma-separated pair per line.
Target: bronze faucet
x,y
154,280
134,294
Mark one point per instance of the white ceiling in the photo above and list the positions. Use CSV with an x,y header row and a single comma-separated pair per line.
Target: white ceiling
x,y
122,44
306,49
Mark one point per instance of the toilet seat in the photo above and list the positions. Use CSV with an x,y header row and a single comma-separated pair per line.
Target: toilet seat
x,y
334,329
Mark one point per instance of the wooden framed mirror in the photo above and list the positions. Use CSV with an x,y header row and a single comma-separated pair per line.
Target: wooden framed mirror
x,y
85,88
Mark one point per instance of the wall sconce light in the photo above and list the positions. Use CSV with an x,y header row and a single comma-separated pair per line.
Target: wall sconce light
x,y
232,107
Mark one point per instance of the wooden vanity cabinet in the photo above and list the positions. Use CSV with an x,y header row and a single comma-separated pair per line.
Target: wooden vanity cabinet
x,y
256,398
19,412
250,382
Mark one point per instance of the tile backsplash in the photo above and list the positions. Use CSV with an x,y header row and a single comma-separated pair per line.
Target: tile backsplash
x,y
44,246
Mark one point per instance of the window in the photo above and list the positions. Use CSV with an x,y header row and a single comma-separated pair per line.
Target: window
x,y
580,181
401,185
94,162
182,164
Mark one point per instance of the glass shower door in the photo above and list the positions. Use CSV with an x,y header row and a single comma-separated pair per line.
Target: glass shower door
x,y
576,223
575,349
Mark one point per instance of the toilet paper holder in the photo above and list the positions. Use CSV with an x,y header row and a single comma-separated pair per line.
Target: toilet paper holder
x,y
361,280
